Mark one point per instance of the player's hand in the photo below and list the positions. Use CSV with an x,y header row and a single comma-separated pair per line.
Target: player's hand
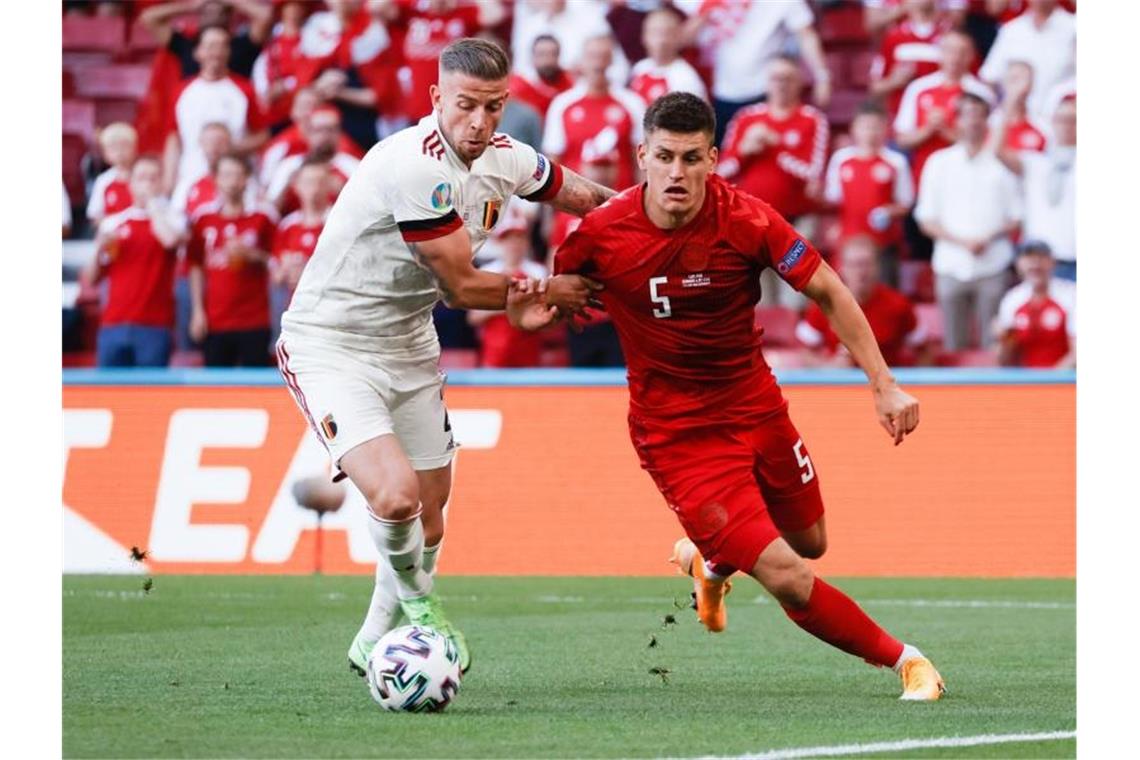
x,y
821,91
897,410
525,307
571,294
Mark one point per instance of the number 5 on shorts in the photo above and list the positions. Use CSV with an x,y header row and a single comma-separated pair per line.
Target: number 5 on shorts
x,y
804,461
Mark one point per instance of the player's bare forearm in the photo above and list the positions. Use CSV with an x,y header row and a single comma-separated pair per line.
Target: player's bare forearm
x,y
578,195
461,284
849,323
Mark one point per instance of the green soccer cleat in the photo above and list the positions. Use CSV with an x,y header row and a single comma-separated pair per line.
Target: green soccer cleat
x,y
358,653
428,612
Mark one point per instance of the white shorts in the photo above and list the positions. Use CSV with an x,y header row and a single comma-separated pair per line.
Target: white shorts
x,y
350,396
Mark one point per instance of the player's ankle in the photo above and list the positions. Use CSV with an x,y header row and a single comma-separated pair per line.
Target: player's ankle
x,y
908,653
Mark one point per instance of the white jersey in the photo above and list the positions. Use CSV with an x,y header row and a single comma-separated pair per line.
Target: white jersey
x,y
363,281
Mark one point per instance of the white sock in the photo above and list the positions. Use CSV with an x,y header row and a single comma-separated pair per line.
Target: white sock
x,y
908,653
401,545
384,607
431,557
710,574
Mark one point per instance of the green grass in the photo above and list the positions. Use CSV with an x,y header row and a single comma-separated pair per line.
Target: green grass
x,y
255,667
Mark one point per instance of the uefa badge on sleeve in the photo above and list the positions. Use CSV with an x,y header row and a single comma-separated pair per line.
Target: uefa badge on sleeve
x,y
441,197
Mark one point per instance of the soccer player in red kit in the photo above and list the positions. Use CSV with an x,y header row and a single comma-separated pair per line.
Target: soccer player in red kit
x,y
680,257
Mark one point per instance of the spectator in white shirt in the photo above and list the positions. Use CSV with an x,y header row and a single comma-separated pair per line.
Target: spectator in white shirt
x,y
1049,182
969,204
1044,37
663,70
572,23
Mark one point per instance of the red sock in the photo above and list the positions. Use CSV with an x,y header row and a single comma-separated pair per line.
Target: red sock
x,y
832,616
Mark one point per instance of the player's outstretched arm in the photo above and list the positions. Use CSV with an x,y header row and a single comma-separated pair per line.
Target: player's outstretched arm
x,y
897,410
578,195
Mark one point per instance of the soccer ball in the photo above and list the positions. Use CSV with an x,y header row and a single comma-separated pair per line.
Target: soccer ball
x,y
413,669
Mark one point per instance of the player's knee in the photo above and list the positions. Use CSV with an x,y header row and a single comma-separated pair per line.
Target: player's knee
x,y
791,585
397,502
814,547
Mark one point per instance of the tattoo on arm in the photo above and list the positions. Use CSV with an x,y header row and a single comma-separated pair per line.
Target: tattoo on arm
x,y
579,195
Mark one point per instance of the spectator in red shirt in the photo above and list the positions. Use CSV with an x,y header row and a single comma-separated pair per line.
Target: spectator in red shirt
x,y
194,192
1037,319
872,186
324,139
136,250
776,150
111,192
1021,131
215,95
888,311
429,27
908,50
297,234
282,70
594,119
501,344
229,249
550,80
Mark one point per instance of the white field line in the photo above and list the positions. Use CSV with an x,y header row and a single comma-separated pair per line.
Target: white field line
x,y
901,745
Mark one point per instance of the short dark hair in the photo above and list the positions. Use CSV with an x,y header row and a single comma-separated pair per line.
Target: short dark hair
x,y
208,27
871,107
968,97
238,158
481,59
546,38
681,112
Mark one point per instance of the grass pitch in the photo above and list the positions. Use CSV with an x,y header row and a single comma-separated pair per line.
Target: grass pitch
x,y
255,667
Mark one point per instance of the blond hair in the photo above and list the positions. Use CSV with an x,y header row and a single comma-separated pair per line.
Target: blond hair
x,y
115,131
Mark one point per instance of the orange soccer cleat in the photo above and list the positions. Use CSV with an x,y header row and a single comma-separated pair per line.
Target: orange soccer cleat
x,y
921,682
708,593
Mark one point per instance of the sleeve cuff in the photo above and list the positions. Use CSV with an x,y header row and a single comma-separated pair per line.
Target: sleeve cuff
x,y
549,188
419,230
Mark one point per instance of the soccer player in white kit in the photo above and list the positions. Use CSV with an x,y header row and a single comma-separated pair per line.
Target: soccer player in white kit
x,y
358,349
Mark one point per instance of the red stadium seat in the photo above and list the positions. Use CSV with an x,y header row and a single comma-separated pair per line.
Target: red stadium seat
x,y
779,326
68,84
108,110
141,40
76,359
122,81
79,118
73,150
841,109
975,357
930,320
916,281
838,67
859,68
843,24
98,33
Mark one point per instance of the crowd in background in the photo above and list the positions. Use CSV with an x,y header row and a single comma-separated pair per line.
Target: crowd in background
x,y
927,147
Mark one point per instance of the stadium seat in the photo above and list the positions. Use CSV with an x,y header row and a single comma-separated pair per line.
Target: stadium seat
x,y
837,64
78,359
122,81
930,320
916,281
73,149
859,68
186,359
96,33
141,41
975,357
68,84
779,326
841,109
108,110
79,118
843,24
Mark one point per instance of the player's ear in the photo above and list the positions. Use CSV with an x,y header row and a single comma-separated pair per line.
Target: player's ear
x,y
641,156
713,153
433,90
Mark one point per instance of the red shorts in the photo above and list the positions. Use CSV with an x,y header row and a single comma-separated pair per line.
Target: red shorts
x,y
734,489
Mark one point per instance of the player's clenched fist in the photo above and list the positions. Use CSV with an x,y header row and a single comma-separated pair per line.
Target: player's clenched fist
x,y
897,410
571,294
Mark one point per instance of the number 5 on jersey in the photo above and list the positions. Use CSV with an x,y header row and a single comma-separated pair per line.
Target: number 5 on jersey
x,y
665,309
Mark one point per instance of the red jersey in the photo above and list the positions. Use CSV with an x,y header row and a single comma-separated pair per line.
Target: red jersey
x,y
140,270
892,319
581,127
282,61
1023,134
539,93
1040,326
110,194
428,33
295,241
683,301
778,174
925,95
236,290
908,43
861,184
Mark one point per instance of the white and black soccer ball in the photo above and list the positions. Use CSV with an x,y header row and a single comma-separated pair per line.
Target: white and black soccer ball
x,y
413,669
